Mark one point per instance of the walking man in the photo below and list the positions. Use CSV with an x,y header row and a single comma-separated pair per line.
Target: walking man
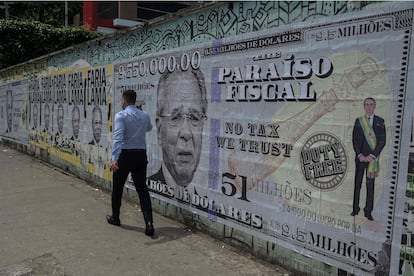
x,y
129,156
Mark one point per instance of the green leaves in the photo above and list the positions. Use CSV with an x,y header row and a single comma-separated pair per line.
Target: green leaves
x,y
52,13
21,41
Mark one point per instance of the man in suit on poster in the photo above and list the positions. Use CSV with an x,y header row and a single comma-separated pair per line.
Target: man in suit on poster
x,y
73,142
98,153
368,139
96,125
9,110
75,122
181,113
60,117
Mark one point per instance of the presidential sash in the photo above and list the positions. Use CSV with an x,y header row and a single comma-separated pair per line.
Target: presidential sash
x,y
373,166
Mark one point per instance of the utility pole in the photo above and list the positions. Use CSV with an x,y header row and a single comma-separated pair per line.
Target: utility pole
x,y
6,6
66,13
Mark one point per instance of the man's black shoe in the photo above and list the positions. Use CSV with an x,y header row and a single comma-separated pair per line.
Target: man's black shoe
x,y
111,220
149,229
354,213
369,217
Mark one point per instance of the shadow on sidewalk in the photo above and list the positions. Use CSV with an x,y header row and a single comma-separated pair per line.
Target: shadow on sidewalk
x,y
162,234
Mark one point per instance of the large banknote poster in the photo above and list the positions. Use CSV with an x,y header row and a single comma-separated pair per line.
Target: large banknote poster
x,y
289,134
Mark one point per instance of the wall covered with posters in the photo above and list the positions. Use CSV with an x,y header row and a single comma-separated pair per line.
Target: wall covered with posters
x,y
286,125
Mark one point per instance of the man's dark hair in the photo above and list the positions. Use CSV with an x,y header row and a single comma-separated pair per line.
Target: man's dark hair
x,y
370,98
130,96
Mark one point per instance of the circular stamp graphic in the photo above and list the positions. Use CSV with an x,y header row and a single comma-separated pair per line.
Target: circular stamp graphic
x,y
323,161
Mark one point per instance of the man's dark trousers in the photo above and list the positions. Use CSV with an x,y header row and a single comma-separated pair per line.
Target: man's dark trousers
x,y
132,161
361,169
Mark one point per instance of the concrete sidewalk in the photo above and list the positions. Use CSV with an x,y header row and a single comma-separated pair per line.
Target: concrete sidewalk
x,y
52,223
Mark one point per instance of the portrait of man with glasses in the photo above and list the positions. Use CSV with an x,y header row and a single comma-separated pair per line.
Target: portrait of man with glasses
x,y
180,118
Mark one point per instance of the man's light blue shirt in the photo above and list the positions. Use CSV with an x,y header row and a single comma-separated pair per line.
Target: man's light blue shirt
x,y
130,127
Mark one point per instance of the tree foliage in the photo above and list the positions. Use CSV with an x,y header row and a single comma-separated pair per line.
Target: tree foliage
x,y
52,13
21,41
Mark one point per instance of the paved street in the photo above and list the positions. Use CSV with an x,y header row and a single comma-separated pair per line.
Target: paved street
x,y
52,223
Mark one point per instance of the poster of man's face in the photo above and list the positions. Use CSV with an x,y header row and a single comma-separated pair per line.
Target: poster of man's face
x,y
9,110
97,123
75,121
60,118
181,110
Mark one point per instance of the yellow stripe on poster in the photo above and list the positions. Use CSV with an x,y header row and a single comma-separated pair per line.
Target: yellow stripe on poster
x,y
75,160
